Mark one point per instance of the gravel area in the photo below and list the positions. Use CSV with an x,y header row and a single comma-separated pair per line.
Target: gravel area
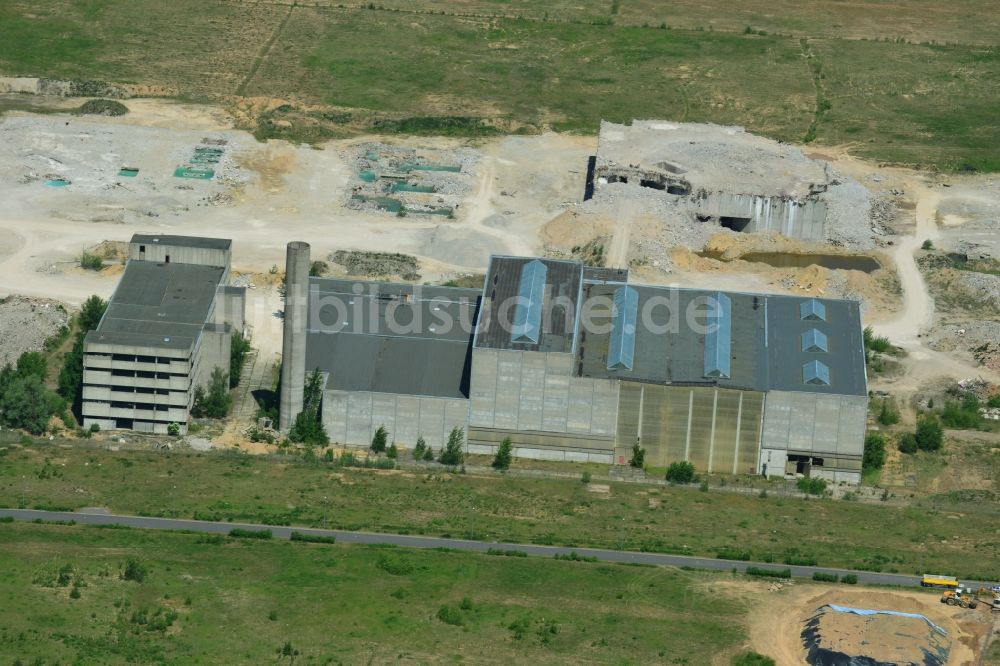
x,y
26,323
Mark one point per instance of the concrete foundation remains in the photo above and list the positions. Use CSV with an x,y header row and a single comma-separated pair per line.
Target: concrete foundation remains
x,y
721,176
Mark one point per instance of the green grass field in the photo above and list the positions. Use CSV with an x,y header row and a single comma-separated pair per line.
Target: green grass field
x,y
240,601
560,65
936,535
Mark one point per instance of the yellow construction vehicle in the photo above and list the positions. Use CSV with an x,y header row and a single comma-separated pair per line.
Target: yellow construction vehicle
x,y
960,596
933,580
989,596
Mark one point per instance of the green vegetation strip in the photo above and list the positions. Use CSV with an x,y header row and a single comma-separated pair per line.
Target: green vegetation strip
x,y
288,491
85,595
563,67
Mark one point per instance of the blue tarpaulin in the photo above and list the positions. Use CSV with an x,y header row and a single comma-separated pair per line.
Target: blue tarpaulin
x,y
868,611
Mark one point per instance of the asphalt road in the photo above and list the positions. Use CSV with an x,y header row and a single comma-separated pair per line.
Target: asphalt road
x,y
409,541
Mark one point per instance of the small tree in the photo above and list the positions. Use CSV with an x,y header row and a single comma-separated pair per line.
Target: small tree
x,y
419,449
504,455
874,452
929,433
681,471
392,452
453,453
32,364
308,427
238,348
379,440
134,571
215,402
927,245
429,454
638,459
174,429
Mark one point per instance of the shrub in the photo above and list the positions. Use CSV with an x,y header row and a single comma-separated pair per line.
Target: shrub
x,y
392,452
506,553
764,572
751,659
887,413
812,485
450,615
91,262
574,557
927,245
963,415
876,343
318,268
825,577
238,348
466,604
874,452
732,554
215,402
95,427
174,429
134,571
419,449
379,440
452,453
241,533
930,434
504,456
585,477
429,454
681,471
638,459
849,579
102,107
394,564
311,538
907,443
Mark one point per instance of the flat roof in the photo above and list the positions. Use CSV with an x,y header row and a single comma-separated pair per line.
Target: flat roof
x,y
766,349
159,305
183,241
387,337
559,306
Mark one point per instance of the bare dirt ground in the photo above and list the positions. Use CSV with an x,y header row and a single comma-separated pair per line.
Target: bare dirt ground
x,y
525,198
781,610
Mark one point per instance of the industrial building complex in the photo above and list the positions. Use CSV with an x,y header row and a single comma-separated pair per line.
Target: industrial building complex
x,y
578,363
168,325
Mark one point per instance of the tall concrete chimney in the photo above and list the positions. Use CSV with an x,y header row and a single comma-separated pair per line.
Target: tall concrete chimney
x,y
293,348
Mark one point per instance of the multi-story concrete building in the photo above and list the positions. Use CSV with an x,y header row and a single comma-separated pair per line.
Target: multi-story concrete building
x,y
577,363
168,325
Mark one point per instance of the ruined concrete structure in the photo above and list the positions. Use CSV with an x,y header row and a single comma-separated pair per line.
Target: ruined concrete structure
x,y
728,177
577,363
